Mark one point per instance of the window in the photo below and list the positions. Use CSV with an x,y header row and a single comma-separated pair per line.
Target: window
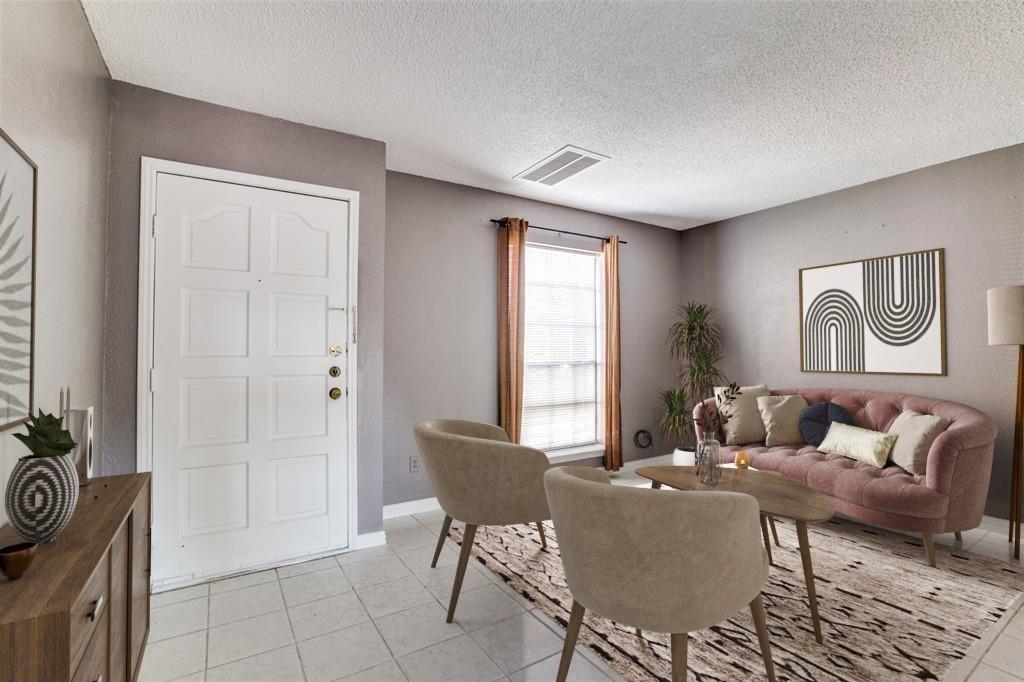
x,y
561,347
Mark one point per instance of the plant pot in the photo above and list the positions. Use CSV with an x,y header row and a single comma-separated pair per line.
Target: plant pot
x,y
684,458
41,496
15,559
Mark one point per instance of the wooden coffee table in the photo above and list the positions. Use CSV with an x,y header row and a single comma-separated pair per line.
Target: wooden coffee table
x,y
775,494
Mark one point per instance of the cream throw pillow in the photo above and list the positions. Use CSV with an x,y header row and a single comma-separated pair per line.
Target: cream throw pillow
x,y
916,432
781,417
863,445
744,425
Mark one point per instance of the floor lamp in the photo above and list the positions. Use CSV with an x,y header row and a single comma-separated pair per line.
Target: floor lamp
x,y
1006,328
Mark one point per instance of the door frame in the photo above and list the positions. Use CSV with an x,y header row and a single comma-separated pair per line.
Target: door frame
x,y
151,168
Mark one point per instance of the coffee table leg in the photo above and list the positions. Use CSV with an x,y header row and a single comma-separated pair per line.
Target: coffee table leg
x,y
812,597
655,485
767,541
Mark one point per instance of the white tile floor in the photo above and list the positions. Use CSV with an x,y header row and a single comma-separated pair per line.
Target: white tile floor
x,y
378,615
374,615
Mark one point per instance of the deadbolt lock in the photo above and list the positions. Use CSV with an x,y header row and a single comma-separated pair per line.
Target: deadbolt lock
x,y
335,371
334,350
335,393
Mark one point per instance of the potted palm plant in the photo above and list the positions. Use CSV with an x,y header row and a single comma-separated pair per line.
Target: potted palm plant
x,y
695,339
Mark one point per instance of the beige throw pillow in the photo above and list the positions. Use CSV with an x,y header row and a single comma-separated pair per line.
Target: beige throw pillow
x,y
781,417
916,433
863,445
744,425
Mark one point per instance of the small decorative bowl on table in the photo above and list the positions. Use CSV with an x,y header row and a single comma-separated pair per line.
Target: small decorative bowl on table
x,y
15,559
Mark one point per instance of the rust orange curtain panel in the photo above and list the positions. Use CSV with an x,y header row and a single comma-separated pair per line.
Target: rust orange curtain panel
x,y
511,323
612,373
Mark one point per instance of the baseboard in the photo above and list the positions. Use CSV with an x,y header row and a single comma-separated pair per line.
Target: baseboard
x,y
427,504
374,539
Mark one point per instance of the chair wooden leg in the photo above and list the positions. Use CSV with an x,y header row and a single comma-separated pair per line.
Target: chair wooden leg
x,y
757,611
460,572
678,657
572,631
929,548
775,532
440,540
767,542
959,536
543,538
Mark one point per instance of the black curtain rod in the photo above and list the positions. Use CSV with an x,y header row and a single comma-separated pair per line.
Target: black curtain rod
x,y
551,229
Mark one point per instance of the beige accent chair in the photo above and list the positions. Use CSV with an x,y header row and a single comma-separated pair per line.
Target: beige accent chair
x,y
659,560
481,479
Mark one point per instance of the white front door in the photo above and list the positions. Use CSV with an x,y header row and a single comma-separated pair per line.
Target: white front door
x,y
250,462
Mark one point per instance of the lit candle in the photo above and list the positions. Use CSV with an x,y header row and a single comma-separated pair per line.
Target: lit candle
x,y
742,459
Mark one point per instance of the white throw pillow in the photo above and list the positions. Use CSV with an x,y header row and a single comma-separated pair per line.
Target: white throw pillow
x,y
916,433
781,417
863,445
744,425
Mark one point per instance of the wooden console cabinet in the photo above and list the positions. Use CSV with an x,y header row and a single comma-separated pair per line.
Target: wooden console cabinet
x,y
81,612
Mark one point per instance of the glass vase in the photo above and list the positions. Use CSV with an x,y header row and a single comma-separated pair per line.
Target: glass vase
x,y
709,461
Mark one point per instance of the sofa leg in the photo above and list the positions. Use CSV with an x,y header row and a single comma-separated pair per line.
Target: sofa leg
x,y
929,548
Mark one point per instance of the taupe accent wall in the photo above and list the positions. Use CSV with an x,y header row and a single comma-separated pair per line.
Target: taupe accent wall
x,y
972,207
147,122
440,313
53,103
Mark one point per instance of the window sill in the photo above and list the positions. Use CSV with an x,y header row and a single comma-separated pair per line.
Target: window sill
x,y
572,454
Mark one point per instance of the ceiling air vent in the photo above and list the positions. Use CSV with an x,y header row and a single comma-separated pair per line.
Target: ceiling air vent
x,y
564,163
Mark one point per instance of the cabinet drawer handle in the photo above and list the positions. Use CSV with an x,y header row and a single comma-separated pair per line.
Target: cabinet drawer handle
x,y
94,612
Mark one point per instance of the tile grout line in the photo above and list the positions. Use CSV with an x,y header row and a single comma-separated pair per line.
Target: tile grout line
x,y
379,634
291,628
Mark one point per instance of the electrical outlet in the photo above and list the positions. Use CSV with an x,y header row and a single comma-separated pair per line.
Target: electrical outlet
x,y
414,465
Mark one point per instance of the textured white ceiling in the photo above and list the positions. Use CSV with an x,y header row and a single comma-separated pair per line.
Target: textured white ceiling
x,y
707,110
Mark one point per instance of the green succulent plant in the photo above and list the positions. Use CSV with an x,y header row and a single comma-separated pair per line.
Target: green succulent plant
x,y
46,436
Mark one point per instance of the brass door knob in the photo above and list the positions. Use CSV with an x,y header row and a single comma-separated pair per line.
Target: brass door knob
x,y
334,350
335,393
334,371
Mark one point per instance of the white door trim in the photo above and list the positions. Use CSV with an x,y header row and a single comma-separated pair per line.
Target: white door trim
x,y
147,212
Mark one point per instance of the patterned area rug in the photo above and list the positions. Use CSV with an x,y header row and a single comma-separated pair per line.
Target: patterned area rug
x,y
886,615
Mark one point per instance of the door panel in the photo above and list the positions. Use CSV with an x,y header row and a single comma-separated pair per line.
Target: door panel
x,y
249,454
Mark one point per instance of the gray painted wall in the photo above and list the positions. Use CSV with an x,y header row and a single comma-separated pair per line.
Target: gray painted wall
x,y
150,123
972,207
440,313
53,103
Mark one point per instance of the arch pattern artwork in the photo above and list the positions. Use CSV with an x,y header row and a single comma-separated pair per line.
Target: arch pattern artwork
x,y
901,296
878,315
834,333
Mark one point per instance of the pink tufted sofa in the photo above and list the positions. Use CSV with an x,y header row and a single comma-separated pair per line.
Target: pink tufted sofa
x,y
948,498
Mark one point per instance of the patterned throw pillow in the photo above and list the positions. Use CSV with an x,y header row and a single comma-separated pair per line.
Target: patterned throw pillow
x,y
815,420
744,425
863,445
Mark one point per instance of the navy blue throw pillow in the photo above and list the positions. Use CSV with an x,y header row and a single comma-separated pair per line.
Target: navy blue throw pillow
x,y
815,420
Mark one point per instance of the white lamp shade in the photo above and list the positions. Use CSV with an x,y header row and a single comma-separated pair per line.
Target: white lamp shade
x,y
1006,316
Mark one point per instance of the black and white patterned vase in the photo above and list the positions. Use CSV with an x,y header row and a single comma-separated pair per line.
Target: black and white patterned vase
x,y
41,496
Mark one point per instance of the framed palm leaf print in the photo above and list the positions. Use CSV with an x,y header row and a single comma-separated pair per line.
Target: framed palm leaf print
x,y
17,282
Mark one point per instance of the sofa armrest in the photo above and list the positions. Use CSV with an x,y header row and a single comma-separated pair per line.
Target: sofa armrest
x,y
702,411
960,459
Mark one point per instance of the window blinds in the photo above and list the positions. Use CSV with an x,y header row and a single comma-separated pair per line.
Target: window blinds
x,y
560,348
